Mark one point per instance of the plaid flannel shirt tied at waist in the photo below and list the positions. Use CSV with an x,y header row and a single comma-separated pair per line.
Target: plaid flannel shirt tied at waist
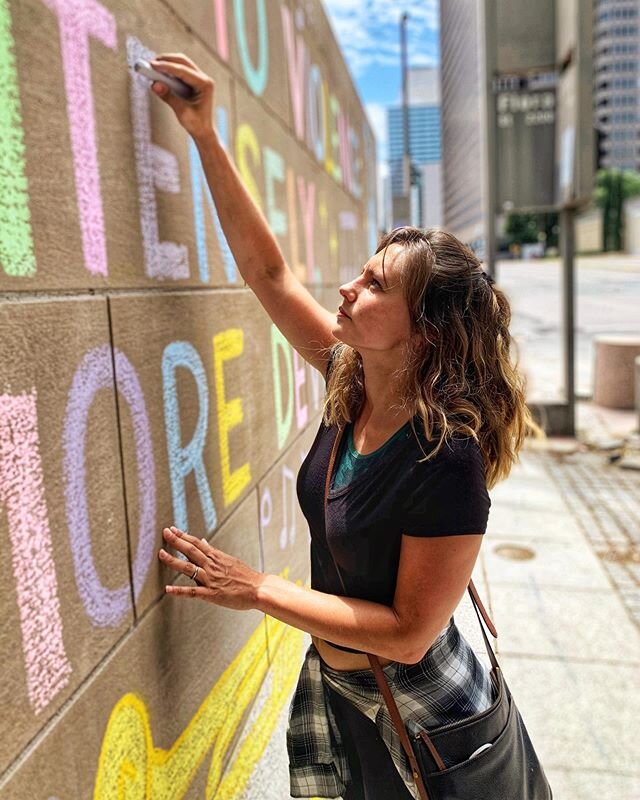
x,y
447,685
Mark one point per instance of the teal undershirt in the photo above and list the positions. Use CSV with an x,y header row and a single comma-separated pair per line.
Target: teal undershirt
x,y
351,463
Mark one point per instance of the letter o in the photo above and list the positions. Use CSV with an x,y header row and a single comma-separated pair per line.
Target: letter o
x,y
106,607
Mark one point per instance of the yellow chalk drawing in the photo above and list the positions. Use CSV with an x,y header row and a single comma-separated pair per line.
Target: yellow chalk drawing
x,y
333,243
322,210
227,345
131,768
284,671
247,148
298,266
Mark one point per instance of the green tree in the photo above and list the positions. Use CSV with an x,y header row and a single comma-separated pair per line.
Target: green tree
x,y
522,228
612,188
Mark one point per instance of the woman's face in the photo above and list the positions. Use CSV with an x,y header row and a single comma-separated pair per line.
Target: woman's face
x,y
374,314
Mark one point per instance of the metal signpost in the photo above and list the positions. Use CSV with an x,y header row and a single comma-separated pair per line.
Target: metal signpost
x,y
540,138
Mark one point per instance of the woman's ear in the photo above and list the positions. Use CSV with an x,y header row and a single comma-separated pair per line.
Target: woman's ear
x,y
422,340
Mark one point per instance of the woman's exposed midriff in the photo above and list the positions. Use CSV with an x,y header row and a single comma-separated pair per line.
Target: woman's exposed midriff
x,y
340,659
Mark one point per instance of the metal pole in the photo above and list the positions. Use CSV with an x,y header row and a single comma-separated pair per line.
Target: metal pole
x,y
489,25
406,152
567,239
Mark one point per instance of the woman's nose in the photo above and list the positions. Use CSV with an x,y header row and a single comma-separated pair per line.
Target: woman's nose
x,y
347,291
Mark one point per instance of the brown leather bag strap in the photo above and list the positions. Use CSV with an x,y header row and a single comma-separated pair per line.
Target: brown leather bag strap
x,y
399,725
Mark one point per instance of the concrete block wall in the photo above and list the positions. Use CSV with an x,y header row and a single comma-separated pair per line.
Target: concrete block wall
x,y
142,385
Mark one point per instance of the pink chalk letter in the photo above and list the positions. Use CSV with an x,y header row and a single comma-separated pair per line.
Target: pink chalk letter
x,y
222,40
307,197
22,494
297,63
79,20
345,149
299,377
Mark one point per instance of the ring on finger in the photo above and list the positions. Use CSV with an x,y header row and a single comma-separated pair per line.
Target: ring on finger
x,y
195,572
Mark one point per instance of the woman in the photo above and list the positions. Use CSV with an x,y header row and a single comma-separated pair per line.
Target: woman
x,y
423,412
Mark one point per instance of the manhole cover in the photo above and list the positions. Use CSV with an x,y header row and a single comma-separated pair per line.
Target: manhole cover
x,y
514,552
621,556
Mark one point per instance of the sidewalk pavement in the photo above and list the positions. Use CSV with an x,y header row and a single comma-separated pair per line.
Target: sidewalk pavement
x,y
568,645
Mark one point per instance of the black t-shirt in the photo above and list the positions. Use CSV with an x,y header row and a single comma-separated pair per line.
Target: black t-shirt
x,y
398,494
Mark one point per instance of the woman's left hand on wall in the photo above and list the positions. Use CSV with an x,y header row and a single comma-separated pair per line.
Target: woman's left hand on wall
x,y
221,578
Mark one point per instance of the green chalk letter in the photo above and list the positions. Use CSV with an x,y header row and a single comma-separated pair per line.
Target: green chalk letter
x,y
256,76
281,347
17,256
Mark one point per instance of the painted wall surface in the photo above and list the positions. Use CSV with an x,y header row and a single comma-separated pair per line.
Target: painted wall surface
x,y
141,384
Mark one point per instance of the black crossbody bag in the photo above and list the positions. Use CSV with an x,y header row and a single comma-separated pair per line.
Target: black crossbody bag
x,y
507,770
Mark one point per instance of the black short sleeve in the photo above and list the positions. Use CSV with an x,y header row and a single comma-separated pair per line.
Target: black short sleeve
x,y
447,495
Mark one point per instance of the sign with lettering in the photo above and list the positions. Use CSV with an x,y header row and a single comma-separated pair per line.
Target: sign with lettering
x,y
525,109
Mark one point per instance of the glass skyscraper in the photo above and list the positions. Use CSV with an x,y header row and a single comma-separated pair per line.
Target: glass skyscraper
x,y
424,146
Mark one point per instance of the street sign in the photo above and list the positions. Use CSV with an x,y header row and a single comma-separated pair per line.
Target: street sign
x,y
525,124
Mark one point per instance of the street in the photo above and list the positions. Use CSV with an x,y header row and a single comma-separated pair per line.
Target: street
x,y
607,302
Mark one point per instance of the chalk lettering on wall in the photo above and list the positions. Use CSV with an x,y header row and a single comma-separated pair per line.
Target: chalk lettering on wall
x,y
129,758
266,511
347,222
106,607
189,458
284,674
222,39
355,168
296,51
332,164
17,256
307,198
274,172
227,345
316,122
247,147
22,493
296,264
288,530
156,168
256,76
281,350
345,148
80,20
329,132
316,380
199,187
300,376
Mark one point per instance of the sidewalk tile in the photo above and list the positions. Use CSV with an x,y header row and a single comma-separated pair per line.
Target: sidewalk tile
x,y
525,523
523,492
590,785
468,624
568,564
579,716
565,623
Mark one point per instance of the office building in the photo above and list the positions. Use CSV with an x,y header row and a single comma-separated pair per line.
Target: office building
x,y
424,149
462,121
616,27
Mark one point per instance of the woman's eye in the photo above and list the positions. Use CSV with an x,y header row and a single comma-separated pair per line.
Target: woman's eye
x,y
374,282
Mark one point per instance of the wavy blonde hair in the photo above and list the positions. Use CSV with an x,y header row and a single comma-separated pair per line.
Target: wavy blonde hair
x,y
459,376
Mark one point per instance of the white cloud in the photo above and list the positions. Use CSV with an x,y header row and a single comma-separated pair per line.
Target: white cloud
x,y
369,34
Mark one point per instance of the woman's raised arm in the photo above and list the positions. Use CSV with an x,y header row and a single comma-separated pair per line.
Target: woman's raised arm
x,y
304,322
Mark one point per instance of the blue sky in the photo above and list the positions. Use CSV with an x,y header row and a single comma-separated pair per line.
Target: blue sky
x,y
368,33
